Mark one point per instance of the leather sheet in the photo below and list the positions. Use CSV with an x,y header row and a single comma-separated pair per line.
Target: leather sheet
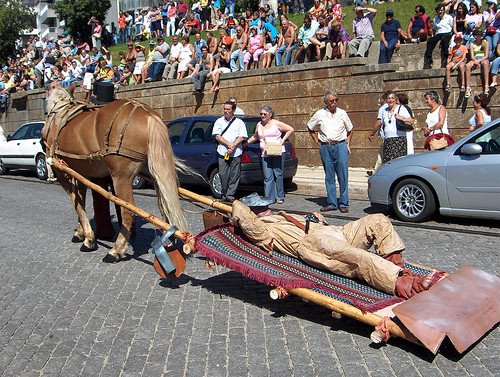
x,y
462,306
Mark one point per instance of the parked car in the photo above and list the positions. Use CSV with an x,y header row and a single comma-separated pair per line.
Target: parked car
x,y
23,150
461,180
192,141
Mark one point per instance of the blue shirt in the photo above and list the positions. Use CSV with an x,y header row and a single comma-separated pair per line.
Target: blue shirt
x,y
390,30
198,46
215,4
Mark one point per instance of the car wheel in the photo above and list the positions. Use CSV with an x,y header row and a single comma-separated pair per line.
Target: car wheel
x,y
413,201
3,169
41,167
287,182
215,184
138,182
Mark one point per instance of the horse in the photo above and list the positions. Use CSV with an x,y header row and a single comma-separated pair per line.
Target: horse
x,y
115,140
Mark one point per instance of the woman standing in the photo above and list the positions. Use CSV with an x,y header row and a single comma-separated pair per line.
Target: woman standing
x,y
395,142
140,60
270,129
482,113
479,51
96,35
437,117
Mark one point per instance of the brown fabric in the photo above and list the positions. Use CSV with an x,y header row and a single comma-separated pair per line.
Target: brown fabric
x,y
396,258
327,247
292,220
409,284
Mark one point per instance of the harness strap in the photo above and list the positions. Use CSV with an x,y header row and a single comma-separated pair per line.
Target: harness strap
x,y
293,220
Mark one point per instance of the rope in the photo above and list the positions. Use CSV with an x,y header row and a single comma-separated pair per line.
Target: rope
x,y
383,330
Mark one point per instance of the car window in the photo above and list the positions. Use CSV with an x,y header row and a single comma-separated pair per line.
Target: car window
x,y
35,131
21,133
199,133
251,124
489,140
175,131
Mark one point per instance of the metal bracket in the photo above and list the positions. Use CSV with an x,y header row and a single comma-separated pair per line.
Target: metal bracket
x,y
161,253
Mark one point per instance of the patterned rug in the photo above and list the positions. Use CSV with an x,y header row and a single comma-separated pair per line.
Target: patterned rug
x,y
229,247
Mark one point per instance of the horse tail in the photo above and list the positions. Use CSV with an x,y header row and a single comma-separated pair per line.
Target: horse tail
x,y
162,165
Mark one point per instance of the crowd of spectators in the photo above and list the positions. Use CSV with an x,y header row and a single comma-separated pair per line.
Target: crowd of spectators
x,y
253,40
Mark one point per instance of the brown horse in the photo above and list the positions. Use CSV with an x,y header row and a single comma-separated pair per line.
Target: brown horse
x,y
116,140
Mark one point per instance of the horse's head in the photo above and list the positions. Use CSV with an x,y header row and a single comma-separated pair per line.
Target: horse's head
x,y
57,94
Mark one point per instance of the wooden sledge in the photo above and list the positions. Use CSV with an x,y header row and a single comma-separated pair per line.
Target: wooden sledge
x,y
471,295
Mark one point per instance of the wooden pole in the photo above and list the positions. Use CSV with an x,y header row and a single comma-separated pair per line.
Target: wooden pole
x,y
189,242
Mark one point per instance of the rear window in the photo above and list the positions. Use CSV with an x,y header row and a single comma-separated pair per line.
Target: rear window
x,y
200,132
175,131
251,124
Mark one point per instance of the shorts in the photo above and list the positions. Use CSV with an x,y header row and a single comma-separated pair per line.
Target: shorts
x,y
222,70
270,49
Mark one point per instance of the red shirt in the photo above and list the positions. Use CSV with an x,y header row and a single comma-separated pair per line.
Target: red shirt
x,y
121,21
194,22
182,7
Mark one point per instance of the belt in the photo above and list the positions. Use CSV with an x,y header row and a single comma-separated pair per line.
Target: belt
x,y
332,142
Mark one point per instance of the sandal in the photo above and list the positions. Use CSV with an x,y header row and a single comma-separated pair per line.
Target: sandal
x,y
448,87
486,90
462,88
468,92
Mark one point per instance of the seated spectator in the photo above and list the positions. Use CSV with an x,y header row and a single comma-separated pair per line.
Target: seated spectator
x,y
127,77
457,59
269,50
266,17
202,71
254,48
338,38
192,25
230,25
419,27
474,15
144,35
225,39
287,42
317,9
495,65
140,60
321,37
219,23
185,56
212,43
76,70
363,34
459,19
170,71
270,15
238,50
307,31
244,24
336,11
222,65
390,32
491,18
479,51
160,57
198,44
442,31
149,60
117,75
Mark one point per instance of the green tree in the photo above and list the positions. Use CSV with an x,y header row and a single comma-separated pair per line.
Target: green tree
x,y
14,19
77,13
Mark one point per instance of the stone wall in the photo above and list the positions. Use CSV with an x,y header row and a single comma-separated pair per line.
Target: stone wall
x,y
295,93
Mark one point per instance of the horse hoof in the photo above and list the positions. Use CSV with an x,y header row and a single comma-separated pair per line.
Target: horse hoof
x,y
110,258
87,249
77,239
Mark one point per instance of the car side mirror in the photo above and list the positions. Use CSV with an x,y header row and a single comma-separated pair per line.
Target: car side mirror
x,y
471,149
9,137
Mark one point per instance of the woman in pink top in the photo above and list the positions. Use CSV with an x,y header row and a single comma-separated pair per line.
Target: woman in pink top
x,y
255,47
272,166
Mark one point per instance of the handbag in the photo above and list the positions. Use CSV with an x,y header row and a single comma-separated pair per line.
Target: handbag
x,y
401,125
437,141
491,30
270,148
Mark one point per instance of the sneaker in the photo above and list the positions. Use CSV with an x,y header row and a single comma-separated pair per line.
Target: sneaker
x,y
149,79
493,84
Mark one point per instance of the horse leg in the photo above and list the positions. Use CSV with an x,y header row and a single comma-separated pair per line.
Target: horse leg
x,y
77,193
123,189
102,216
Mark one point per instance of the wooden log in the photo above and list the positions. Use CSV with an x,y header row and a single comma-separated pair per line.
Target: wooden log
x,y
188,241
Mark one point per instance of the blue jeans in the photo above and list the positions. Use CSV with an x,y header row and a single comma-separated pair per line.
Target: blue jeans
x,y
385,55
288,56
230,9
273,177
493,41
235,55
155,69
495,66
335,159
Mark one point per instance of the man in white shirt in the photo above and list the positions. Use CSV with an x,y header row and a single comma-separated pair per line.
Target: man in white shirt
x,y
170,71
331,129
442,31
229,133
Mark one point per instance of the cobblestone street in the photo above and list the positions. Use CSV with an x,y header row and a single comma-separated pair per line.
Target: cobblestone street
x,y
64,312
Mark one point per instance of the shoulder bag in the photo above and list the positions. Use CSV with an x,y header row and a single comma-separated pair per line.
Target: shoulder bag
x,y
401,125
225,129
270,148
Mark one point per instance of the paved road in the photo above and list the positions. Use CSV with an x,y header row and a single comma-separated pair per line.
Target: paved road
x,y
63,312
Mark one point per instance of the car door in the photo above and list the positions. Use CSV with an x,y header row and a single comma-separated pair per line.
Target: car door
x,y
198,148
11,151
29,146
473,182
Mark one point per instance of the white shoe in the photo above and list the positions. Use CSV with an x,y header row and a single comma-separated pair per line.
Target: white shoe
x,y
493,84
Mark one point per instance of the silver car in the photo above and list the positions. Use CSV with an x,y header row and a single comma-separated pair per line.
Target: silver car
x,y
461,180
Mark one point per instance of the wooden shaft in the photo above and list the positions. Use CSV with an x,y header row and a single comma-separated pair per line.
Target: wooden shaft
x,y
353,312
132,208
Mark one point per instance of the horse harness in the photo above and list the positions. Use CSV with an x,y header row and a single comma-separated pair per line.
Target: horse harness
x,y
65,111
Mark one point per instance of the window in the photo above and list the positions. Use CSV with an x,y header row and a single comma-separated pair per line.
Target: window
x,y
200,132
175,131
489,140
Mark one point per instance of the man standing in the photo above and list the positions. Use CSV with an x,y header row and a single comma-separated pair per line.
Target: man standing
x,y
229,133
442,31
215,6
160,57
362,29
286,43
238,110
170,71
334,129
238,49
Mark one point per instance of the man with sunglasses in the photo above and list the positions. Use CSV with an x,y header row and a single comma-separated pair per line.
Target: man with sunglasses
x,y
331,129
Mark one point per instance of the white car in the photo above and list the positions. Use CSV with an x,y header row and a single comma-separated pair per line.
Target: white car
x,y
23,150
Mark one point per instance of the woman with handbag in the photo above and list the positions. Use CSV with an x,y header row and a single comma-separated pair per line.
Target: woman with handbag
x,y
269,132
436,121
396,122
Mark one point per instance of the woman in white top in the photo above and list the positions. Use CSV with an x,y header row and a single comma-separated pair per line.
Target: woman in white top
x,y
482,113
185,56
395,141
437,117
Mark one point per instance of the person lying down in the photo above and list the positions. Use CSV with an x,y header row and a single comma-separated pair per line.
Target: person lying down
x,y
341,250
